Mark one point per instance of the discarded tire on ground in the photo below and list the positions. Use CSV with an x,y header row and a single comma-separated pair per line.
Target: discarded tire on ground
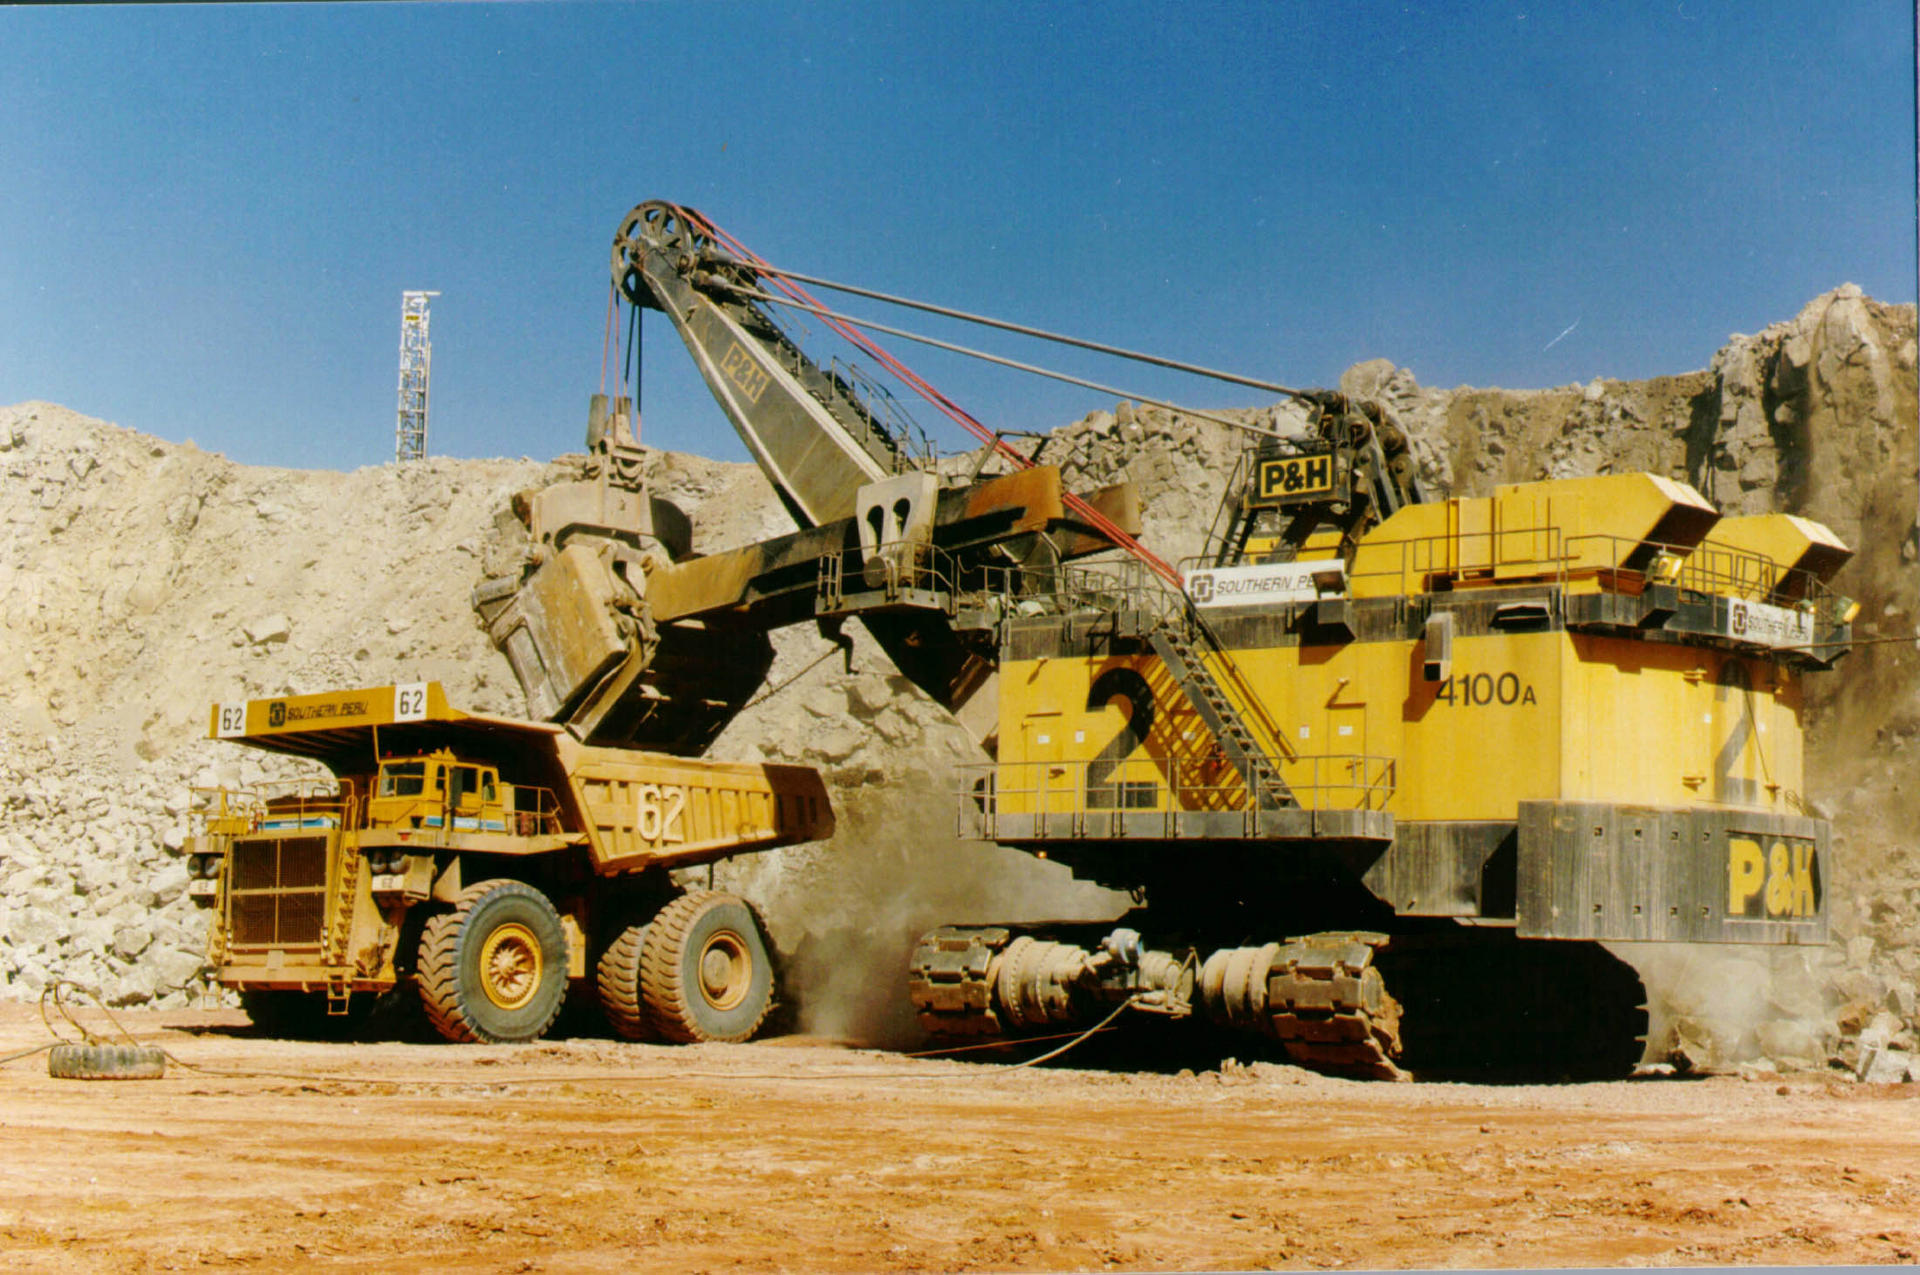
x,y
68,1061
705,974
494,969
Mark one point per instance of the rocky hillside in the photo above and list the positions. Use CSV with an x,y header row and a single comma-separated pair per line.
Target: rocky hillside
x,y
140,580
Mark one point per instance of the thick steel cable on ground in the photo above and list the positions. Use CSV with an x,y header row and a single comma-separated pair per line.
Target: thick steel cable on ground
x,y
53,993
26,1053
1100,1026
676,1075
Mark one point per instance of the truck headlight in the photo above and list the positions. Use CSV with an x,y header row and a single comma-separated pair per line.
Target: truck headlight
x,y
386,860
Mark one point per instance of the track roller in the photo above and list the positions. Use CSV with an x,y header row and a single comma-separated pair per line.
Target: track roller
x,y
949,978
1319,996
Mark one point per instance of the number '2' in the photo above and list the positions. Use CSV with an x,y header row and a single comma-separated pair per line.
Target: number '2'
x,y
1117,683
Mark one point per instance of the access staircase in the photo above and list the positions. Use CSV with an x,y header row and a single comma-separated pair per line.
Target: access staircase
x,y
1178,640
1227,544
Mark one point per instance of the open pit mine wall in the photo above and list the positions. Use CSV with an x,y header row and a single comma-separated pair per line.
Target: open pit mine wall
x,y
141,579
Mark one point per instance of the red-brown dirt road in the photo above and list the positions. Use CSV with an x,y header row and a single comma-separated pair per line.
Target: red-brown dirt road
x,y
790,1155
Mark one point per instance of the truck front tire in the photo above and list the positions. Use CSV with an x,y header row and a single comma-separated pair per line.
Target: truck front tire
x,y
494,969
705,973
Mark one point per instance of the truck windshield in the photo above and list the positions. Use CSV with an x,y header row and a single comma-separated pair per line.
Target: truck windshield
x,y
403,779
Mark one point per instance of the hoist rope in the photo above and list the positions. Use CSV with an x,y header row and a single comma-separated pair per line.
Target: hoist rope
x,y
1000,360
1060,338
946,406
606,341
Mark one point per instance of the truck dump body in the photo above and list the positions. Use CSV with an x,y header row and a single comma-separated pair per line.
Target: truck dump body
x,y
631,809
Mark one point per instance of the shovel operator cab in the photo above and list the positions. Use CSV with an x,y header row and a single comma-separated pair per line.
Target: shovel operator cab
x,y
493,863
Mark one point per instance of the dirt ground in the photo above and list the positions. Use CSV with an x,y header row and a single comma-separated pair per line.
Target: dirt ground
x,y
797,1155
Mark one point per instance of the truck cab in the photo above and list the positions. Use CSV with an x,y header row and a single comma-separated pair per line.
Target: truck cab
x,y
439,790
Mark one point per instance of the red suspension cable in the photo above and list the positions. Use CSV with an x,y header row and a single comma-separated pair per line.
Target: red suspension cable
x,y
946,406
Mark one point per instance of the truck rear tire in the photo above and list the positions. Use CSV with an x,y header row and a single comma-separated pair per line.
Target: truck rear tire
x,y
618,979
705,974
494,969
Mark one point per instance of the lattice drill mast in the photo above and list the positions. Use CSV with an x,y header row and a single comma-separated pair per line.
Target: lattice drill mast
x,y
416,371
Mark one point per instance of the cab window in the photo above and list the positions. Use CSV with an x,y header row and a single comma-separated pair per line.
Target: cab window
x,y
403,779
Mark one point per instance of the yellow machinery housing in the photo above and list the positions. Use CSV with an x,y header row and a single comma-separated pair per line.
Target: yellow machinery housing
x,y
1568,711
1485,670
491,861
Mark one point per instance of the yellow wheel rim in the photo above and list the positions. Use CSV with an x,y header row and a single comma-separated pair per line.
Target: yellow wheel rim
x,y
725,970
511,965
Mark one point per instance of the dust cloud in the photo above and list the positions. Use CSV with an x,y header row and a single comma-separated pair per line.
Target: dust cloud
x,y
845,913
1713,1008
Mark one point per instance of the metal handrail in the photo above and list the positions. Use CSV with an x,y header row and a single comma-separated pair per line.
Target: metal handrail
x,y
1250,703
905,565
1355,781
1227,513
1705,568
223,811
915,448
1111,585
542,820
789,350
1127,584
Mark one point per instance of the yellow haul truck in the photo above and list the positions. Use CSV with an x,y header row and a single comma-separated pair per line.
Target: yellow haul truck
x,y
494,863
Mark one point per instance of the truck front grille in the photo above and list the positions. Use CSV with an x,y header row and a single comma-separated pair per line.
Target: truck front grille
x,y
277,892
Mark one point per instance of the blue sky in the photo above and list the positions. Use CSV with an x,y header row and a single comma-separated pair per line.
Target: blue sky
x,y
209,213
